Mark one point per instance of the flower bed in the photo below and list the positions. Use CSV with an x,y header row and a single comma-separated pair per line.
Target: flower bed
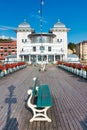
x,y
2,68
85,68
75,68
10,68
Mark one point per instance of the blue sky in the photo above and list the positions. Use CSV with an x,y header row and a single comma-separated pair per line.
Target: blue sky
x,y
73,13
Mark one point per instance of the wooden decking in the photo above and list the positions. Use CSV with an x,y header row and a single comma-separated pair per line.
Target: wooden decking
x,y
69,94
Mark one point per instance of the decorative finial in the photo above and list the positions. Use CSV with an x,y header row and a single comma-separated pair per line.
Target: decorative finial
x,y
58,20
24,20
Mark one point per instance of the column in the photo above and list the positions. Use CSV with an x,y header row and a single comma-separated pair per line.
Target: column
x,y
36,58
29,58
61,57
23,58
47,59
54,59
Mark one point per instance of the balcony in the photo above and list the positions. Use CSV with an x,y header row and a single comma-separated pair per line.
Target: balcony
x,y
24,52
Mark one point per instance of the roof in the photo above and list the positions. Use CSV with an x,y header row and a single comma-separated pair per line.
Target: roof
x,y
42,34
24,27
72,56
24,24
8,43
59,25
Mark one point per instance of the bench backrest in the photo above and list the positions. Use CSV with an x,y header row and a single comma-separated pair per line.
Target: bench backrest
x,y
44,96
34,86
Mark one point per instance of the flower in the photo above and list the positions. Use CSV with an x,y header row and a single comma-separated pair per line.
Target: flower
x,y
73,65
68,64
14,65
2,68
79,66
59,62
7,66
85,67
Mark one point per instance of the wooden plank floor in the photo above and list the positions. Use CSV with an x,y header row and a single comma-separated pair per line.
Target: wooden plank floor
x,y
69,94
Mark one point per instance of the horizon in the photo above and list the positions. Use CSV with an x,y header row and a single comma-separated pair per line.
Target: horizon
x,y
71,13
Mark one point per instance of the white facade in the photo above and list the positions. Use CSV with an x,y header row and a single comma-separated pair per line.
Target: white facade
x,y
53,44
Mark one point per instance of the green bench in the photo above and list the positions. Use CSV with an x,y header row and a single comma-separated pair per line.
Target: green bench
x,y
43,102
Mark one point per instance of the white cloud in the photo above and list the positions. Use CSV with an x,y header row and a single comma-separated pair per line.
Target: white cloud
x,y
1,28
13,38
6,27
6,37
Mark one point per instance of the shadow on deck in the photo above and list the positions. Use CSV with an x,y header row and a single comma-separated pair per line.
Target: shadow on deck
x,y
11,123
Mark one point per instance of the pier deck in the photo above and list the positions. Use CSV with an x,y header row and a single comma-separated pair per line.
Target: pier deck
x,y
69,94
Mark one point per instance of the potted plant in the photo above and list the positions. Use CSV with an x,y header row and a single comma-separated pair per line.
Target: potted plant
x,y
85,71
2,68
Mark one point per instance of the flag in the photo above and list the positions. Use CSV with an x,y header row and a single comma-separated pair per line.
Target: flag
x,y
42,2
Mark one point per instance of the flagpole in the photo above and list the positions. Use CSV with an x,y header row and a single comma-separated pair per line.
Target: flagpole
x,y
41,4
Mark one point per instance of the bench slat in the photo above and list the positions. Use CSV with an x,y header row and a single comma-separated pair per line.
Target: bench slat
x,y
34,87
44,96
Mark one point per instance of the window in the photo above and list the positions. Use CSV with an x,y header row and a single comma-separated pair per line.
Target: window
x,y
39,57
59,40
5,50
34,49
42,48
1,47
9,53
24,40
41,39
49,48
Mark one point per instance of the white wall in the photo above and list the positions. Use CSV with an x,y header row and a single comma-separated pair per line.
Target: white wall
x,y
61,35
20,44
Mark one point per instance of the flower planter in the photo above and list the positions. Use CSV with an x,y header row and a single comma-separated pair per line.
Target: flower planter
x,y
75,71
81,73
1,74
78,72
7,71
70,69
10,70
84,74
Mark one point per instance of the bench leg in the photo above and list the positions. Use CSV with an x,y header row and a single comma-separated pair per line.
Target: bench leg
x,y
38,114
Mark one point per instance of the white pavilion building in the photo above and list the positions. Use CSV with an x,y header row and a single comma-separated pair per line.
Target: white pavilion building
x,y
41,47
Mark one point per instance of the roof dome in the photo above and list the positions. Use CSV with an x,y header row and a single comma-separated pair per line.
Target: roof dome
x,y
59,25
24,24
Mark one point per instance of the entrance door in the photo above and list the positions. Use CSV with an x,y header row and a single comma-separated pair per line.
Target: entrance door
x,y
50,58
26,58
33,59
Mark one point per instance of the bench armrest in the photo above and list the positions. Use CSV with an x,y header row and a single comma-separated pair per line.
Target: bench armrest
x,y
29,92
